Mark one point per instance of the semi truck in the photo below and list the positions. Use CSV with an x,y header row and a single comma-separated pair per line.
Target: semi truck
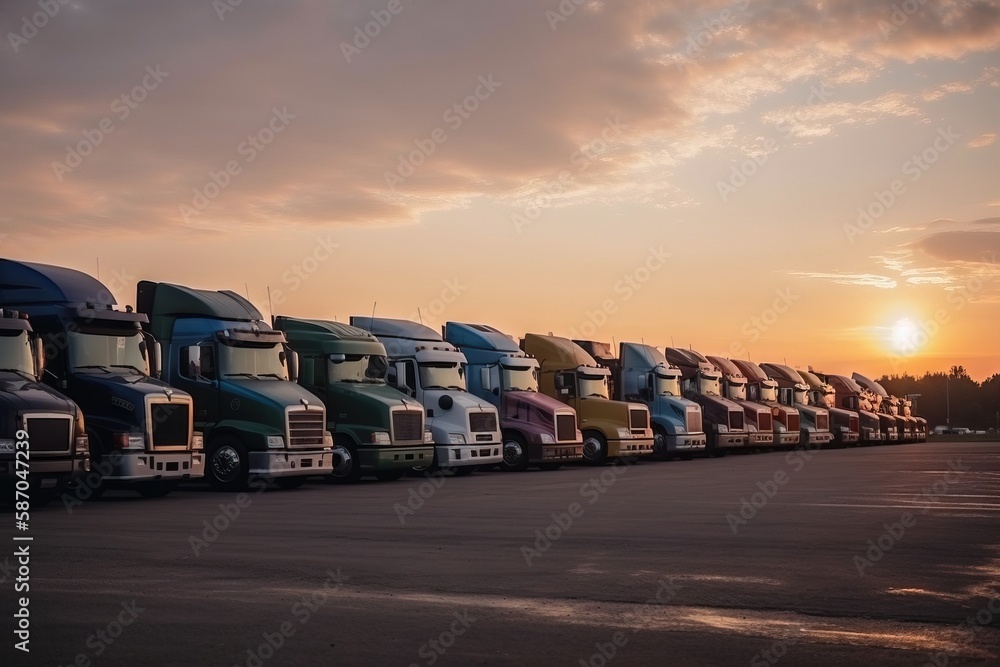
x,y
43,425
844,424
611,429
702,383
140,430
537,429
257,421
921,425
849,395
641,374
906,426
759,417
465,428
814,421
376,430
764,390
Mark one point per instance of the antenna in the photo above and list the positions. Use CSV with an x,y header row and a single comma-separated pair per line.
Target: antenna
x,y
269,309
672,342
419,316
98,269
246,287
375,303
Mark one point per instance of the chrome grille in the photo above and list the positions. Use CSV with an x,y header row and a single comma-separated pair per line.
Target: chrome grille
x,y
306,427
638,418
170,424
483,421
694,421
407,425
736,420
50,433
764,424
823,422
565,427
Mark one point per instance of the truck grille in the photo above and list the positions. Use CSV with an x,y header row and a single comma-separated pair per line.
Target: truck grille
x,y
853,424
694,421
764,424
305,428
407,425
49,434
483,421
793,423
736,421
565,427
823,422
638,418
170,424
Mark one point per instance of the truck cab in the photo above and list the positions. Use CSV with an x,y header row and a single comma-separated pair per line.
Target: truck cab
x,y
256,420
51,425
844,424
889,406
537,429
641,374
793,390
849,395
138,427
759,420
764,390
376,430
703,384
423,366
921,423
611,429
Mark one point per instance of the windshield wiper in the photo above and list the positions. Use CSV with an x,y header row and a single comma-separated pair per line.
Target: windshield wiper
x,y
270,375
98,366
129,366
455,387
435,386
597,395
248,375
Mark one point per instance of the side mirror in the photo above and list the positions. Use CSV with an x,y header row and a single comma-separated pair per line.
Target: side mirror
x,y
156,362
484,378
401,385
293,365
39,357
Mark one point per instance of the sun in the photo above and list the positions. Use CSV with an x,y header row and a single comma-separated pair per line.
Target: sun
x,y
906,337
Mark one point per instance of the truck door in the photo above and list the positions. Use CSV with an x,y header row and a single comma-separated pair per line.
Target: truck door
x,y
198,375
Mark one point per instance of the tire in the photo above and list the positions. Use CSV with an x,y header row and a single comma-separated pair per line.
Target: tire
x,y
660,452
595,448
155,489
227,466
549,466
290,482
421,471
515,453
390,475
347,465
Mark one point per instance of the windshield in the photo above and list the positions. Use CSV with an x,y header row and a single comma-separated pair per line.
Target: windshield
x,y
736,390
442,375
252,361
519,379
593,385
357,368
97,352
801,395
15,353
708,384
828,397
768,392
668,386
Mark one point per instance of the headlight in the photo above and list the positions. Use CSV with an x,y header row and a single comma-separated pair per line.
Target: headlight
x,y
327,439
456,438
380,438
198,440
624,433
779,427
81,444
428,438
6,445
129,441
680,430
722,428
547,439
275,442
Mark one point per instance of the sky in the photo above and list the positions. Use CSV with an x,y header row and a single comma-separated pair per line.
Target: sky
x,y
805,182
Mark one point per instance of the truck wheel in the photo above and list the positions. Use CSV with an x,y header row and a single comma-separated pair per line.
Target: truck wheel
x,y
228,464
290,482
660,445
346,465
156,489
595,448
390,475
515,453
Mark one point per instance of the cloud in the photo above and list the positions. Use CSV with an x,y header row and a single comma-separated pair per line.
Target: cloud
x,y
962,246
982,140
863,279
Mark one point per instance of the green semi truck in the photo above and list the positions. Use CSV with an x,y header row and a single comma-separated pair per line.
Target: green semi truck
x,y
376,429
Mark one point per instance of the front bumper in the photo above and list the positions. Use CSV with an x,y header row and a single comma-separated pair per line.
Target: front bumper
x,y
848,438
561,452
47,473
690,442
146,466
631,447
738,439
395,458
759,439
479,454
872,436
291,463
787,439
818,437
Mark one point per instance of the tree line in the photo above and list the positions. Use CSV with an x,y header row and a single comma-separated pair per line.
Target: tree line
x,y
970,404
